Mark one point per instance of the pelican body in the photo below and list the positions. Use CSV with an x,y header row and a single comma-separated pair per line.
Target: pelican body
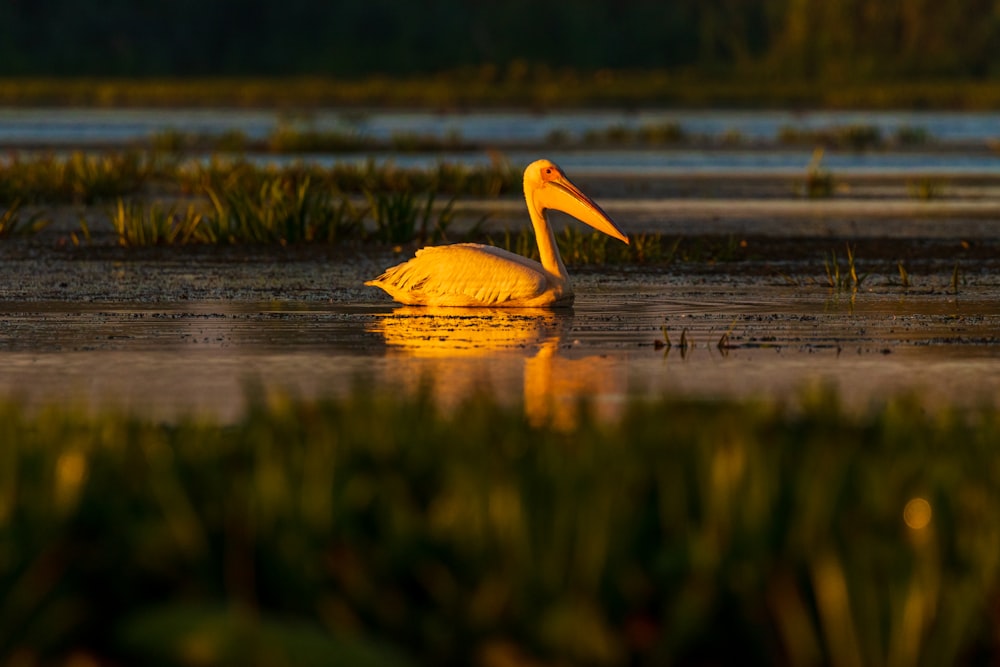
x,y
472,274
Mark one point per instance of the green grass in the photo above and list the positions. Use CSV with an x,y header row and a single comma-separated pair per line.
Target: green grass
x,y
281,210
376,530
400,217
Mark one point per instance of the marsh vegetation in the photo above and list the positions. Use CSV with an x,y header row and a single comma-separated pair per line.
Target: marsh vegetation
x,y
318,531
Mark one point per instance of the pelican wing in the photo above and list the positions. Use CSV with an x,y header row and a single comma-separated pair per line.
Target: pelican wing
x,y
467,274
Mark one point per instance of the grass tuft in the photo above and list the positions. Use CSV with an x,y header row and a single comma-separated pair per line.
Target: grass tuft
x,y
400,217
140,224
846,279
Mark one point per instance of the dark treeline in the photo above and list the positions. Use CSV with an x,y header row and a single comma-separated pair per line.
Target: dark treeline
x,y
816,39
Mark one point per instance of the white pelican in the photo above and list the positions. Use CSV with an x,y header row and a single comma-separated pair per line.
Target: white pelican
x,y
471,274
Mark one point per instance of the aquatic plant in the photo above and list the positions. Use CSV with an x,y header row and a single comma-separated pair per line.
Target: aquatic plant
x,y
173,140
648,134
578,247
904,275
144,224
846,279
908,135
854,137
399,217
289,139
78,177
956,278
281,210
14,223
565,89
85,178
819,180
926,188
318,532
648,247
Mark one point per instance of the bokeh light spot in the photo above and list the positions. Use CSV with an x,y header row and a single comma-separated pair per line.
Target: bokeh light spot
x,y
917,513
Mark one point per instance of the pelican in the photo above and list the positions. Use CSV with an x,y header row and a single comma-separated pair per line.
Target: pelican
x,y
472,274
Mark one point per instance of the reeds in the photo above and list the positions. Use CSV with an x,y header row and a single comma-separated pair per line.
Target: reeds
x,y
333,531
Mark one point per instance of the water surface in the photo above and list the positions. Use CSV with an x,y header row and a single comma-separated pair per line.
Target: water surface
x,y
171,359
60,128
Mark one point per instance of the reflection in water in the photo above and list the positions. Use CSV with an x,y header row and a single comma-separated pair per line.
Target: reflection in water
x,y
515,355
469,332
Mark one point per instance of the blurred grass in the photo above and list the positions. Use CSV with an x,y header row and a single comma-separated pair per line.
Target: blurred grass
x,y
13,222
78,177
377,530
458,90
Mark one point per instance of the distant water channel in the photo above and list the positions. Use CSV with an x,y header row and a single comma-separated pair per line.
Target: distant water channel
x,y
59,128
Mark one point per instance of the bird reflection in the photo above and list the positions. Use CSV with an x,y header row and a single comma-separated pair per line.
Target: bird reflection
x,y
522,354
470,332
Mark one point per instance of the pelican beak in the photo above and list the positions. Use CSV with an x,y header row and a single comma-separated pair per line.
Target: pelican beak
x,y
560,193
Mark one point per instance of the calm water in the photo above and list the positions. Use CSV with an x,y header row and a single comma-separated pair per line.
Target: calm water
x,y
120,125
169,359
59,127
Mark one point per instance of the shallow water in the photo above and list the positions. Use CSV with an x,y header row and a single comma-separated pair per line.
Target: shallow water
x,y
672,162
60,128
199,357
187,333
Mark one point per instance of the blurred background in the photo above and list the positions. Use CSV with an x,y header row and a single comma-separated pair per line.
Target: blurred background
x,y
849,40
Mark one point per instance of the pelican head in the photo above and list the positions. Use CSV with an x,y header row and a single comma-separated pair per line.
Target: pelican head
x,y
546,187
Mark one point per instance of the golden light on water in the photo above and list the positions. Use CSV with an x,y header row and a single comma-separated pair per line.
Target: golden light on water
x,y
917,513
517,354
